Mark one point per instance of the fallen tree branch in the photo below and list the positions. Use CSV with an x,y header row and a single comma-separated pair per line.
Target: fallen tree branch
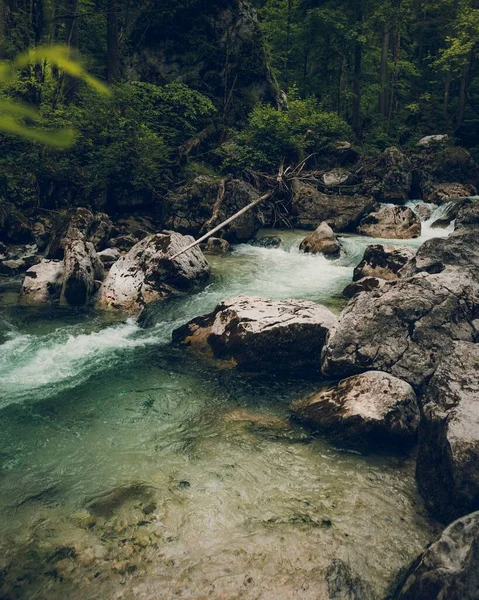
x,y
244,210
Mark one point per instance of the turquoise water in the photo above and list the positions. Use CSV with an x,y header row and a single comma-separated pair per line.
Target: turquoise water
x,y
131,469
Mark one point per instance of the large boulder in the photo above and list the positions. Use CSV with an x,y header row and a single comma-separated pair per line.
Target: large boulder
x,y
43,282
366,284
342,213
148,272
321,241
82,269
397,181
364,409
439,193
459,250
383,262
392,222
403,327
207,201
448,569
448,458
78,224
433,140
258,334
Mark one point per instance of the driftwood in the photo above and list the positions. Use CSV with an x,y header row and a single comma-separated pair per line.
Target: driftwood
x,y
244,210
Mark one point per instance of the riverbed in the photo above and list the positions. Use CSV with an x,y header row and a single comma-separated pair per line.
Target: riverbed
x,y
132,469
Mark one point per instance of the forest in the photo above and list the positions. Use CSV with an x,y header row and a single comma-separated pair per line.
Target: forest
x,y
239,299
376,73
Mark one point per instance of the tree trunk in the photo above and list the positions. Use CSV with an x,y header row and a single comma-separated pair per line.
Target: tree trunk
x,y
383,73
113,70
464,85
3,27
357,88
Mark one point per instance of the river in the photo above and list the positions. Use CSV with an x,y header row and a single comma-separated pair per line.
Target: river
x,y
131,469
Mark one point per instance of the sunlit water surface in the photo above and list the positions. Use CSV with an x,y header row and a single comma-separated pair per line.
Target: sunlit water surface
x,y
130,469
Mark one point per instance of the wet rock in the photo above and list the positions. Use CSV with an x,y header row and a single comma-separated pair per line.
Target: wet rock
x,y
268,241
342,213
459,250
364,409
383,262
393,222
397,181
443,192
366,284
343,584
43,282
148,273
81,268
404,327
424,211
207,201
336,177
109,256
258,334
433,140
448,569
321,241
217,246
448,458
243,415
106,505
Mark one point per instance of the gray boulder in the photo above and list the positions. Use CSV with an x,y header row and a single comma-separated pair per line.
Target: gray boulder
x,y
81,269
321,241
448,459
404,327
43,282
207,201
383,262
439,193
342,213
109,256
459,250
397,181
148,273
448,569
258,334
336,177
393,222
364,409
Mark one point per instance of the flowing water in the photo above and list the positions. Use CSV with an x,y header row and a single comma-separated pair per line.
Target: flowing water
x,y
131,469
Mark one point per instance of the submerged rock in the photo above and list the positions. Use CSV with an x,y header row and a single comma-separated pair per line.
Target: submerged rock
x,y
383,262
404,327
43,282
321,241
148,272
267,241
258,334
343,584
363,409
393,222
447,466
216,246
342,213
448,569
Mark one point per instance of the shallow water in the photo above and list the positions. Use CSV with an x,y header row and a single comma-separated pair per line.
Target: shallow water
x,y
130,469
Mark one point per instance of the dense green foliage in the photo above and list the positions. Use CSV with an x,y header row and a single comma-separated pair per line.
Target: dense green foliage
x,y
376,72
394,69
274,136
